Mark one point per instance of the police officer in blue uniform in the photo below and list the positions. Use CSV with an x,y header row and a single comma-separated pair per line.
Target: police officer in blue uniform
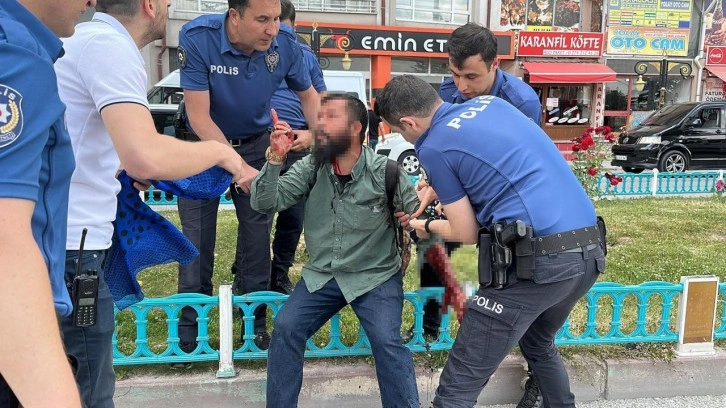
x,y
289,223
475,72
492,167
231,64
36,163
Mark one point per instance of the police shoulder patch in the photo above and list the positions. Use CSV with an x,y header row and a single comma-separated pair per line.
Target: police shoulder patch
x,y
182,57
11,115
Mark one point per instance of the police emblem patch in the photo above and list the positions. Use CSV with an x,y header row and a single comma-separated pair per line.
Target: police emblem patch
x,y
182,57
11,115
272,59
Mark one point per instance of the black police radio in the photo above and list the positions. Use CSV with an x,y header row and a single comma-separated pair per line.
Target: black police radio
x,y
84,292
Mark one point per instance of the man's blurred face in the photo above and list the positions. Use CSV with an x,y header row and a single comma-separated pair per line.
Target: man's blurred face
x,y
474,78
333,133
257,25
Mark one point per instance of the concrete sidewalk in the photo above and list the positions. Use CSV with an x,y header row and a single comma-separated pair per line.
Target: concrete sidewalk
x,y
352,386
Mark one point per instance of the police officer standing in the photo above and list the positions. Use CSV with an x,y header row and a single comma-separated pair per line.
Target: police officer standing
x,y
231,64
36,163
289,222
492,167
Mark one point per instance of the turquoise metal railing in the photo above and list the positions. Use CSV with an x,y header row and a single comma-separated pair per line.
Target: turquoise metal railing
x,y
606,306
632,185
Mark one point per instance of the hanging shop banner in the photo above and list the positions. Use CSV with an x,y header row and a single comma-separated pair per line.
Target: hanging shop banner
x,y
647,41
674,14
714,22
535,15
559,44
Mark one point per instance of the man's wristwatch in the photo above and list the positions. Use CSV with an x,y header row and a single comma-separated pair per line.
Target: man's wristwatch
x,y
426,225
274,158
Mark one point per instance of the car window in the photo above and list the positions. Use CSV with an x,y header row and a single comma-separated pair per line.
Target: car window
x,y
668,116
710,117
164,122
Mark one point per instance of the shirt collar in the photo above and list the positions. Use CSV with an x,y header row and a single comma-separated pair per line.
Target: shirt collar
x,y
441,111
226,46
360,165
498,82
46,38
288,29
113,22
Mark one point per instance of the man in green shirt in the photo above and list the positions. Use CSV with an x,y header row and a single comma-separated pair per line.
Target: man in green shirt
x,y
350,237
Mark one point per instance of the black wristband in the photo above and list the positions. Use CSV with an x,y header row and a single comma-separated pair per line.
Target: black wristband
x,y
426,225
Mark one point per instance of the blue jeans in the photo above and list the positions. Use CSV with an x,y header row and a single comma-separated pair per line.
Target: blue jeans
x,y
91,346
379,312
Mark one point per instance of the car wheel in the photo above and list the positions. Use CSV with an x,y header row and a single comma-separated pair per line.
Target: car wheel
x,y
673,162
409,163
632,170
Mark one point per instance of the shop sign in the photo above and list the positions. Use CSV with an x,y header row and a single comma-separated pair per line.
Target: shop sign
x,y
673,14
535,15
559,44
713,90
399,41
714,22
647,41
716,56
599,104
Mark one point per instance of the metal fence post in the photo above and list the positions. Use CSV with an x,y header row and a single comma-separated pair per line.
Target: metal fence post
x,y
226,362
654,183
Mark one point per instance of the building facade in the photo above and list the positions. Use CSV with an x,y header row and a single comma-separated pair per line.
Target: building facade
x,y
579,55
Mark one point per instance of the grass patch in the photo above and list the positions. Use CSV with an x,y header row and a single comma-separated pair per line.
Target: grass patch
x,y
649,240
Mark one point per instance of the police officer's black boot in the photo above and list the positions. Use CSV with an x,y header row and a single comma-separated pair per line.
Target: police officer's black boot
x,y
532,397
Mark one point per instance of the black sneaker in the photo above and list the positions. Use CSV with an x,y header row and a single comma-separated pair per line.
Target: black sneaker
x,y
532,398
262,340
283,286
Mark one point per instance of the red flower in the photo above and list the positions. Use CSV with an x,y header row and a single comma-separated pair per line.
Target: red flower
x,y
720,185
614,181
576,148
592,171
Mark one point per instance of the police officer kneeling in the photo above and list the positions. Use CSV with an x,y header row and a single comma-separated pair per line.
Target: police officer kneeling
x,y
541,248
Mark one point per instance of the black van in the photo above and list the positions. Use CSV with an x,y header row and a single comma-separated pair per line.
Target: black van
x,y
676,138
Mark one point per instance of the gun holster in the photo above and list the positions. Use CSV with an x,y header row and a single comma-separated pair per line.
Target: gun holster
x,y
524,254
603,234
180,125
484,243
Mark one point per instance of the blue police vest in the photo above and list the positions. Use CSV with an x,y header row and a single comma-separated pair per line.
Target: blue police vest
x,y
36,156
505,164
240,86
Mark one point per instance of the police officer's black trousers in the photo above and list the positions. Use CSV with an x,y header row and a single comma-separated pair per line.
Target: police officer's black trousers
x,y
526,312
288,228
252,255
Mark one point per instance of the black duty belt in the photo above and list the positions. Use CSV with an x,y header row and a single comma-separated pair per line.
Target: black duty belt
x,y
240,142
564,241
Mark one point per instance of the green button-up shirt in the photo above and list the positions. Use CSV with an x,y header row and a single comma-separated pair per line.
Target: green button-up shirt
x,y
348,230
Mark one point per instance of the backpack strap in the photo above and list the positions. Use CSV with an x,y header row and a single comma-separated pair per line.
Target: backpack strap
x,y
391,180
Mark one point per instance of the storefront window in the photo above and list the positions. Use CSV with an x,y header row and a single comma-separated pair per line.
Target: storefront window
x,y
410,65
648,98
616,95
434,11
568,105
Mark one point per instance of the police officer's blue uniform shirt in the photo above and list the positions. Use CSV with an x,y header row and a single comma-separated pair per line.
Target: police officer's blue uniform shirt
x,y
506,86
285,100
36,157
240,86
508,167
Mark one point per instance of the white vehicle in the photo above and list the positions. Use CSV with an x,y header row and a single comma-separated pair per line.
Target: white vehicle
x,y
397,148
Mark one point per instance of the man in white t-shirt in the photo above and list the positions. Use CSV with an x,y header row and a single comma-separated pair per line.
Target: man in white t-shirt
x,y
102,81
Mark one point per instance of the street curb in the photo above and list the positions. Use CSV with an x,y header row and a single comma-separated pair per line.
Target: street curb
x,y
329,385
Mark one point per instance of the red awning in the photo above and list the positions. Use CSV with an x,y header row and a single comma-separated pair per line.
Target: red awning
x,y
568,72
718,71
